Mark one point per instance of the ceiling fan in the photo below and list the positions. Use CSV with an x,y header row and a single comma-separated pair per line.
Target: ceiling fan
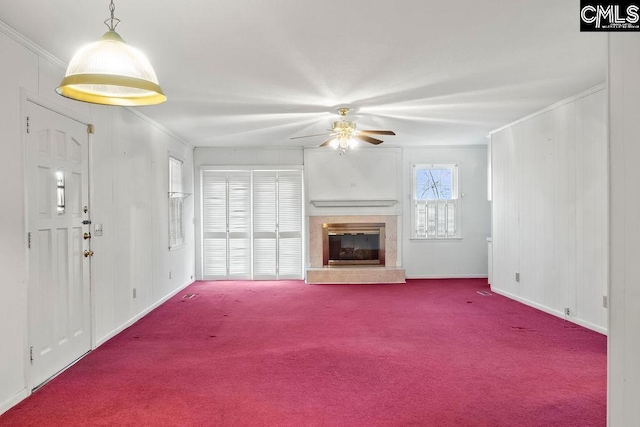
x,y
344,134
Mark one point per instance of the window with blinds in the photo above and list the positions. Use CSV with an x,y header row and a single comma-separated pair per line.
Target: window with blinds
x,y
252,224
176,204
436,212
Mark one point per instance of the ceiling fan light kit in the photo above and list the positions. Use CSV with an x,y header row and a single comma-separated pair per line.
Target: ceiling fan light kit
x,y
110,72
345,134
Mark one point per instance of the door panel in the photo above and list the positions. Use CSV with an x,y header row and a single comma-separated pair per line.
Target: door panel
x,y
239,228
289,224
226,207
58,288
265,226
214,225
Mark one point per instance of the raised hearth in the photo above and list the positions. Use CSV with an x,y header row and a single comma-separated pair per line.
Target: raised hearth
x,y
355,275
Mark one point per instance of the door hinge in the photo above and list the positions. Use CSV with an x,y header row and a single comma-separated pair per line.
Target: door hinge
x,y
27,124
31,354
29,240
91,129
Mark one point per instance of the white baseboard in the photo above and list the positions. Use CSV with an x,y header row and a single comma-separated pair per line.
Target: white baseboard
x,y
139,316
551,311
449,276
8,404
14,400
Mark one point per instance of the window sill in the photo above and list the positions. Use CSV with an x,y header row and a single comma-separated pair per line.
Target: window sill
x,y
436,239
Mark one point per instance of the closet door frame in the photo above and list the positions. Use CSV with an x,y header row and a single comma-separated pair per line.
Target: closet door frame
x,y
252,170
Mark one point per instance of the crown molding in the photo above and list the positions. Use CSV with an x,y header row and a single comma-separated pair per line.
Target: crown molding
x,y
551,107
16,36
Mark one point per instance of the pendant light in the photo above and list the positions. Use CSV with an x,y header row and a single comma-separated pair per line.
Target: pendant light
x,y
111,72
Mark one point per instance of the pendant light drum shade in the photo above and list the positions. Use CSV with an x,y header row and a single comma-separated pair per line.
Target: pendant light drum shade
x,y
111,72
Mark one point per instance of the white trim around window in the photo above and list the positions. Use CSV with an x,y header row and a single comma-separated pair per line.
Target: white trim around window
x,y
176,198
435,213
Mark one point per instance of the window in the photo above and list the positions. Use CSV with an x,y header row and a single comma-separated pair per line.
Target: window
x,y
60,191
176,204
435,197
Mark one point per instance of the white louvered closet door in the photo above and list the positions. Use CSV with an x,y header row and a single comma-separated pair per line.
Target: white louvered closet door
x,y
239,228
290,225
214,225
232,249
265,214
226,208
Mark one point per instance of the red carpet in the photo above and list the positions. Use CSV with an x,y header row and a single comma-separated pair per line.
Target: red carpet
x,y
428,353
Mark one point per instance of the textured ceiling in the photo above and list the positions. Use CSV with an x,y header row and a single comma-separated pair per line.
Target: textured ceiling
x,y
257,72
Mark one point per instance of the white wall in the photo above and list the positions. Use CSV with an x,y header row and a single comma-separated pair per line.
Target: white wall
x,y
624,256
465,257
19,68
130,185
128,194
549,175
359,174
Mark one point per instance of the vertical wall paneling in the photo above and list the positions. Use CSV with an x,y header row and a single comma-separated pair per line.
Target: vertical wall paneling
x,y
505,200
591,209
566,219
624,211
19,70
549,175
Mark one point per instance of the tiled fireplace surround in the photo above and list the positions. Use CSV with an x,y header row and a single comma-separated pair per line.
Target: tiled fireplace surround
x,y
317,273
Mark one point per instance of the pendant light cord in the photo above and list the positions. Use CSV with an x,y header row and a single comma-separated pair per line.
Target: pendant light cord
x,y
112,22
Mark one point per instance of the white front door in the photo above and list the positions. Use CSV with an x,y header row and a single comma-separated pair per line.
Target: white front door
x,y
57,198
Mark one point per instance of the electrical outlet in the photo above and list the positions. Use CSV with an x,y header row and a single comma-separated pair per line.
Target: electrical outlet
x,y
134,293
605,301
567,312
517,277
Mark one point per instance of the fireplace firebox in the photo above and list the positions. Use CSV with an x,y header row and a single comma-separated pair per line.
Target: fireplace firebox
x,y
352,244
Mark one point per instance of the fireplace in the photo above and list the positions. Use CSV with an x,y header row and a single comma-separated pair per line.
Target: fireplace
x,y
353,244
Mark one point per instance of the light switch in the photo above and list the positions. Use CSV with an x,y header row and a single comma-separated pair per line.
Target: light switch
x,y
97,230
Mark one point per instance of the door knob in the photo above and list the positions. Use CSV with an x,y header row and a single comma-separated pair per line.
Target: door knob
x,y
86,236
88,253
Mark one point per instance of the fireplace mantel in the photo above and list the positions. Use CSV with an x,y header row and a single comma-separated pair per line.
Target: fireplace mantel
x,y
352,203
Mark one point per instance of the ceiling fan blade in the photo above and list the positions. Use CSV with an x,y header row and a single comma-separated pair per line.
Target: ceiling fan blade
x,y
327,142
378,132
309,136
369,139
